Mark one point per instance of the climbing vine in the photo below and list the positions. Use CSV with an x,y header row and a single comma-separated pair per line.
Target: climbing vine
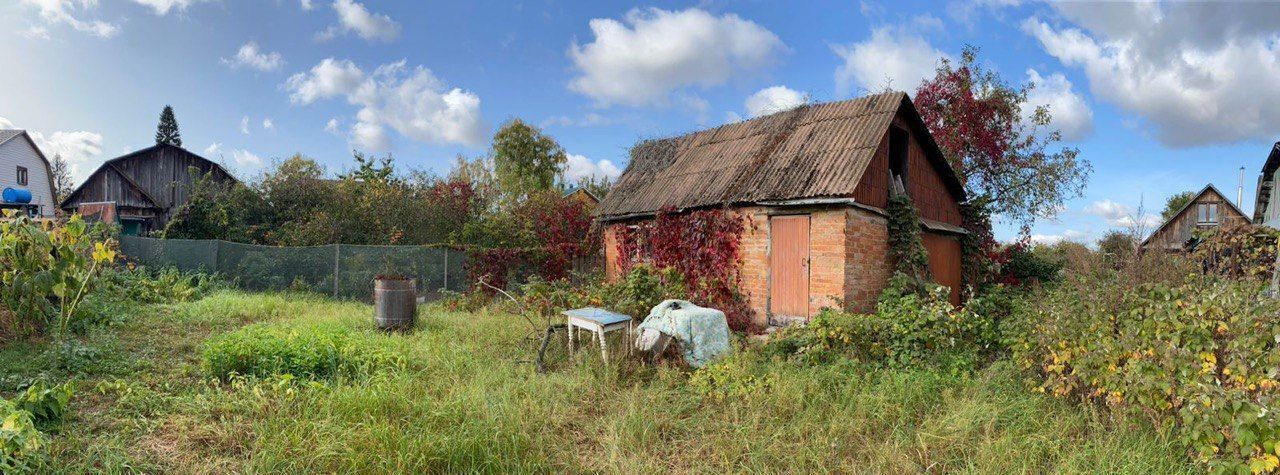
x,y
703,246
906,249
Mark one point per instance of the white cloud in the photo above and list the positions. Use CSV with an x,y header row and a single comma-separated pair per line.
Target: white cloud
x,y
579,167
250,56
37,32
893,56
1071,114
332,126
244,125
267,124
652,53
354,17
774,99
68,12
213,150
306,4
1121,215
414,103
1068,235
1197,73
329,78
246,159
590,119
162,7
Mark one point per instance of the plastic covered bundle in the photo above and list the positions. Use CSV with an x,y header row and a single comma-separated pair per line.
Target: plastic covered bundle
x,y
702,333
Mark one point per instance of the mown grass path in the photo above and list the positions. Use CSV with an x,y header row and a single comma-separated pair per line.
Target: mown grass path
x,y
464,404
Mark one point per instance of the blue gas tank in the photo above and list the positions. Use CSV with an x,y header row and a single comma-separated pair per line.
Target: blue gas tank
x,y
17,195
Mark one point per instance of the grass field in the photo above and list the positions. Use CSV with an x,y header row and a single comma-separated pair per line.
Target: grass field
x,y
464,402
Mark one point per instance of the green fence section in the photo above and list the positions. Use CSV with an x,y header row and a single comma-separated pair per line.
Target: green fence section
x,y
342,270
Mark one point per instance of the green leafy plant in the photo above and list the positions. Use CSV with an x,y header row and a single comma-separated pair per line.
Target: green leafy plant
x,y
317,351
22,446
908,329
46,269
46,403
1197,357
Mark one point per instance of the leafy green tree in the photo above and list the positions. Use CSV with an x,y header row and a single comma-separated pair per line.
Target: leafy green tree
x,y
167,131
371,169
525,160
1176,203
1117,246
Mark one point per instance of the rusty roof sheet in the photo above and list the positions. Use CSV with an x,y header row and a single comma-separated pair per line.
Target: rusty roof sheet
x,y
812,151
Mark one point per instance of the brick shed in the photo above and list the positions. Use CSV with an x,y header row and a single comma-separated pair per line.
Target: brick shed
x,y
812,182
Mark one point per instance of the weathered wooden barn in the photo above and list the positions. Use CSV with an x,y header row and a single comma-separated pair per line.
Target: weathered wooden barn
x,y
145,187
814,182
1207,210
1266,210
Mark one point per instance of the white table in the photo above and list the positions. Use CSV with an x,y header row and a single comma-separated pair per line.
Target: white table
x,y
598,321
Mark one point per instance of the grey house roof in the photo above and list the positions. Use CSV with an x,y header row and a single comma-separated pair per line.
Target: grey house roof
x,y
813,151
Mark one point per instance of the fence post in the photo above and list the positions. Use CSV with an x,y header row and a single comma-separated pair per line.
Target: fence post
x,y
337,253
446,268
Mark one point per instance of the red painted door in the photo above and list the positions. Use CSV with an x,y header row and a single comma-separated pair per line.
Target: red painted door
x,y
789,266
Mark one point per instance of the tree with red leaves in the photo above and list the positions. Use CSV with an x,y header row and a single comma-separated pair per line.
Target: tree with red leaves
x,y
1002,156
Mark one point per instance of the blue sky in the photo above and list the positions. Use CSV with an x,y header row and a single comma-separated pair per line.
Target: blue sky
x,y
1160,98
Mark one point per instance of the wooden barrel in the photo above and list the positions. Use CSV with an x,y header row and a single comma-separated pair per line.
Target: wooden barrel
x,y
395,303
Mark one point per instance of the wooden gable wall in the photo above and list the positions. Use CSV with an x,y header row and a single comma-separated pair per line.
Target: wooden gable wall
x,y
924,184
1181,228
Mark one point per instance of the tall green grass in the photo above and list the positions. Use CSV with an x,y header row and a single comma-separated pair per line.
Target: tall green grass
x,y
464,402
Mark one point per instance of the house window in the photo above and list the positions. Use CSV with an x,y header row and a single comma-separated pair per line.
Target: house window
x,y
897,159
22,176
1207,213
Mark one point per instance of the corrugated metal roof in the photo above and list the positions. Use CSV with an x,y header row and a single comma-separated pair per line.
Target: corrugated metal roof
x,y
811,151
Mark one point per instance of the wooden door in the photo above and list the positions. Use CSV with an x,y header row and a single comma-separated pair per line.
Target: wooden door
x,y
789,266
944,261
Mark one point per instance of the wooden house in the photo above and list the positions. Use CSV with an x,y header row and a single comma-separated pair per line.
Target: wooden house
x,y
581,195
25,170
145,188
1207,210
1266,210
813,182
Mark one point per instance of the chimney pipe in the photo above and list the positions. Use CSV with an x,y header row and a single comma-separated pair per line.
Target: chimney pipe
x,y
1240,190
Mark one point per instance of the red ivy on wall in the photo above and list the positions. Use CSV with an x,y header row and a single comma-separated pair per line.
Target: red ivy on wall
x,y
704,246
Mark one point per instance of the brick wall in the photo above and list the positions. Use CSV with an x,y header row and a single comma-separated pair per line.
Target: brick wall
x,y
847,266
866,258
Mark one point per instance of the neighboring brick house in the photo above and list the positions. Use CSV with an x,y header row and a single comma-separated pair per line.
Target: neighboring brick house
x,y
812,182
1208,209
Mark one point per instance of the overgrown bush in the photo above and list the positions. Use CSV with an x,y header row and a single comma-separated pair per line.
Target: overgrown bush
x,y
907,329
318,351
1238,251
1024,265
21,444
45,270
46,403
1198,356
642,288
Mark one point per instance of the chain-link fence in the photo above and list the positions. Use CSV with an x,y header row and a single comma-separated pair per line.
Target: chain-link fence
x,y
342,270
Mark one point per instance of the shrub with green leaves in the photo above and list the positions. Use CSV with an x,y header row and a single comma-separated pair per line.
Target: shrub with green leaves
x,y
318,351
1200,357
907,329
21,444
46,403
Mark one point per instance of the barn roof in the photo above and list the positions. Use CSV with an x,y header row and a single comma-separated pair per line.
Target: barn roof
x,y
815,151
111,166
